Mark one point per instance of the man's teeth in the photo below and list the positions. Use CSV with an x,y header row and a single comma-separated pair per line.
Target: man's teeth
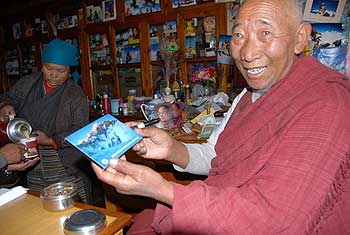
x,y
256,70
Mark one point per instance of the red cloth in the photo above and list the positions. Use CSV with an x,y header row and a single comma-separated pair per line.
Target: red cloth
x,y
47,88
282,164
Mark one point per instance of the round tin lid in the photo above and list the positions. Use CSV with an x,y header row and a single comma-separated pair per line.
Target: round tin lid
x,y
86,222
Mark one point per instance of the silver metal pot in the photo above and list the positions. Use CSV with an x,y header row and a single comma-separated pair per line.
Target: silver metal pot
x,y
59,196
18,128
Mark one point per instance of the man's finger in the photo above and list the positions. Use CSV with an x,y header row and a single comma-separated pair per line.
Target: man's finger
x,y
127,168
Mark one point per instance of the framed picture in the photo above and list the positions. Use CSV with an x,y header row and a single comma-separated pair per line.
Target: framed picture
x,y
109,11
324,11
165,114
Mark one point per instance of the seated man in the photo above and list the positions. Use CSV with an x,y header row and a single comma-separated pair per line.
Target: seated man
x,y
12,156
282,162
12,159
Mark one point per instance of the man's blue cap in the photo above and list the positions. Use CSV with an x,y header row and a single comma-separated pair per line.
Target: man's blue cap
x,y
60,52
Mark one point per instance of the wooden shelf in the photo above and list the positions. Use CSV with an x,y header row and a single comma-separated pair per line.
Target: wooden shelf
x,y
138,65
201,59
141,22
101,67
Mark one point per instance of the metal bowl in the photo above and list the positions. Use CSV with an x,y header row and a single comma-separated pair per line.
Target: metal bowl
x,y
59,196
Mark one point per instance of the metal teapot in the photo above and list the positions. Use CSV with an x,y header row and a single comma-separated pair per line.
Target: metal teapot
x,y
17,128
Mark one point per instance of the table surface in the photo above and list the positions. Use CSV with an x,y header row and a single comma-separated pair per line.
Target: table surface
x,y
26,215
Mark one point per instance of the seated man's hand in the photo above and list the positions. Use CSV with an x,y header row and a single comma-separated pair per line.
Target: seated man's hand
x,y
23,165
5,112
13,153
129,178
156,144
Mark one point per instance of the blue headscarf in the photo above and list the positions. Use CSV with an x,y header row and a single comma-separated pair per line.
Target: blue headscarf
x,y
60,52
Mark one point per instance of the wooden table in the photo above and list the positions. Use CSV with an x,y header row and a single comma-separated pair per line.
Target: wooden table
x,y
26,215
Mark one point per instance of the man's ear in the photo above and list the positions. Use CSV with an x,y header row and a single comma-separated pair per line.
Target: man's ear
x,y
302,37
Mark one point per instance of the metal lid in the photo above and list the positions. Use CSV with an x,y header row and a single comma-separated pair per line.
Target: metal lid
x,y
85,222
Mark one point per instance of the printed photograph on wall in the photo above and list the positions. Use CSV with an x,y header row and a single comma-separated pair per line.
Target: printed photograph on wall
x,y
334,58
327,45
183,3
224,56
137,7
324,11
326,35
109,10
190,44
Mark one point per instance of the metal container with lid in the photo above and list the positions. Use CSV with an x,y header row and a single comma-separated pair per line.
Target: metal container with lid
x,y
85,222
59,196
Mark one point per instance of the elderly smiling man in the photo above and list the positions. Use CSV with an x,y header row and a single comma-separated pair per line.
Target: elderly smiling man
x,y
282,163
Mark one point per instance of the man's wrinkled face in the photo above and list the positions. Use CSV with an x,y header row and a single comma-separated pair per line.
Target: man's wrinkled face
x,y
263,40
55,74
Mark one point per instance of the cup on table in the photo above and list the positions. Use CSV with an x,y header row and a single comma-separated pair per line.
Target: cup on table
x,y
115,106
32,147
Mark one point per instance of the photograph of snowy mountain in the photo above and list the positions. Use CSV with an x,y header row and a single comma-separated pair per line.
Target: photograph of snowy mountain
x,y
104,139
326,35
324,10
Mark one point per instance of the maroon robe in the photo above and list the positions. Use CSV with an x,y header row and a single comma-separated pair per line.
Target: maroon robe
x,y
282,164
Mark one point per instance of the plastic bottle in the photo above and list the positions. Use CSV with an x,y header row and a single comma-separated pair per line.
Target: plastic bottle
x,y
131,98
106,104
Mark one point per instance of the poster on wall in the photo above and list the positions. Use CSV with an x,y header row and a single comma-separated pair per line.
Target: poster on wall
x,y
324,11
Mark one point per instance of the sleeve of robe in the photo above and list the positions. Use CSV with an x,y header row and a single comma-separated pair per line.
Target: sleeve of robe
x,y
202,154
73,114
18,92
286,196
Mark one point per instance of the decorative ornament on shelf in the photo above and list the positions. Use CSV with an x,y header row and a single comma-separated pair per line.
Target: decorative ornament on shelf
x,y
169,51
206,76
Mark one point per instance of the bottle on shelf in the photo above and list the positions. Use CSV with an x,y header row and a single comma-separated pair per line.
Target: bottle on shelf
x,y
131,101
106,104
